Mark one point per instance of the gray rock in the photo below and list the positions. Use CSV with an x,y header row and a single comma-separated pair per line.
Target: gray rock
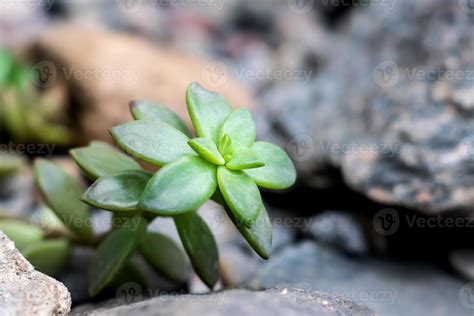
x,y
281,301
392,109
463,262
386,287
24,291
17,192
341,230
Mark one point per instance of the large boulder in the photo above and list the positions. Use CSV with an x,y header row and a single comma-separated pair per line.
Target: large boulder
x,y
393,109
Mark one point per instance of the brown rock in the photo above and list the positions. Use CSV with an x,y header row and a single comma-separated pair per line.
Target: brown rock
x,y
105,70
24,291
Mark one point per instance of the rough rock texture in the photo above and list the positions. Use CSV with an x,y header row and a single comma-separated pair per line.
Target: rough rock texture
x,y
104,71
281,301
386,287
24,291
340,230
393,108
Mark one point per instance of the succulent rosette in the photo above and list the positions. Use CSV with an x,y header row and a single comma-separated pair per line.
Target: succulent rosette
x,y
223,162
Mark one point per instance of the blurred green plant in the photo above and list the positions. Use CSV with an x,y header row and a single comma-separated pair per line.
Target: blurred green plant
x,y
9,163
223,163
25,114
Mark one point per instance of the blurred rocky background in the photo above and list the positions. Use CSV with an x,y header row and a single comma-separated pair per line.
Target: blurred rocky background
x,y
373,100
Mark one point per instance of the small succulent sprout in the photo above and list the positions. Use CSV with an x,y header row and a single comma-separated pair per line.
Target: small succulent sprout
x,y
223,163
224,154
26,114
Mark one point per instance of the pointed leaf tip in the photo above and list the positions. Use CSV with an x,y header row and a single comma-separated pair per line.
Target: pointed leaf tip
x,y
147,110
207,111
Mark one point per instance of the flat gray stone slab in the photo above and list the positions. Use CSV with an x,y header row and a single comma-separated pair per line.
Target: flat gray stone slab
x,y
25,291
278,301
387,287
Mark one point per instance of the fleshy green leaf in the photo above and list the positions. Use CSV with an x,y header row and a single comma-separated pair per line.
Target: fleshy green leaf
x,y
49,222
152,141
207,111
22,234
48,256
200,246
165,257
226,147
117,192
259,235
147,110
207,149
244,158
114,252
181,186
241,195
10,163
100,159
278,172
240,127
62,194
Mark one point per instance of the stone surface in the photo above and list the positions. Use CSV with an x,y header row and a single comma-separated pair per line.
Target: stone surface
x,y
280,301
392,109
17,193
386,287
105,70
340,230
24,291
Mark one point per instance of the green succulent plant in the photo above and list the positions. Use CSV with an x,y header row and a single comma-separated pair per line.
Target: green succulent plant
x,y
223,163
25,114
